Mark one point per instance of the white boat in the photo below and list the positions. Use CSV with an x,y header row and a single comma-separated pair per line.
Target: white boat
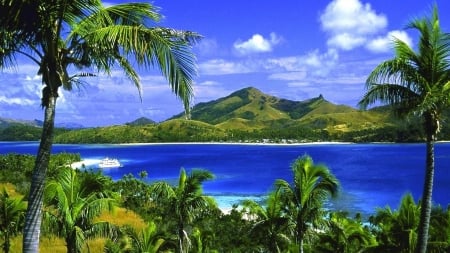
x,y
109,163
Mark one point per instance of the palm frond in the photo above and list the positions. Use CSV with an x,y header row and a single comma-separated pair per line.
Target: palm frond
x,y
115,36
102,229
161,190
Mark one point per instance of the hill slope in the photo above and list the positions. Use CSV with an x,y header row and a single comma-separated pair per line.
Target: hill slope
x,y
250,115
251,109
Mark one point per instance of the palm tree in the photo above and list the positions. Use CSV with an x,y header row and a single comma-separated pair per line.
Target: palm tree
x,y
12,214
397,230
147,240
271,223
439,230
74,203
312,184
417,83
84,35
343,235
185,201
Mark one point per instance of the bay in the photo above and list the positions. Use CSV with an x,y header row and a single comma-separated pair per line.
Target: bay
x,y
371,175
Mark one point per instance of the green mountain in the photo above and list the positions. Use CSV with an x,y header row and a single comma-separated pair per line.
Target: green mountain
x,y
141,121
26,130
248,104
251,109
5,123
250,115
175,130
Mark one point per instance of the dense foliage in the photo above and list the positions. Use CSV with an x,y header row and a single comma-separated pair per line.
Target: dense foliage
x,y
251,116
23,132
267,226
17,168
194,131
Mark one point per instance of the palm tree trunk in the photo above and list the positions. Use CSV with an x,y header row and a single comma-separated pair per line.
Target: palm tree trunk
x,y
425,212
180,234
300,236
7,243
33,216
70,243
300,248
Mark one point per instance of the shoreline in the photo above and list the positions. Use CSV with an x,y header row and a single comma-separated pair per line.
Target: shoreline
x,y
255,143
238,143
231,143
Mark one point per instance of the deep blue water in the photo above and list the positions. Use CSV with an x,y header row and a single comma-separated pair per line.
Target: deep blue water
x,y
371,175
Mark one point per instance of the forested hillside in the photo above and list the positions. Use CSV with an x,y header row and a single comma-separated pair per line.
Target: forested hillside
x,y
248,115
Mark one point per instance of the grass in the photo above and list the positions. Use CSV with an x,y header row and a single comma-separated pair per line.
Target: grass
x,y
120,217
10,189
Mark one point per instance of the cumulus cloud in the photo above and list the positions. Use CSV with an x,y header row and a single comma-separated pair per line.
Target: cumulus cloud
x,y
257,44
350,23
384,43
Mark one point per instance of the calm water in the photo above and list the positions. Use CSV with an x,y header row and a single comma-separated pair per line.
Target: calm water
x,y
371,175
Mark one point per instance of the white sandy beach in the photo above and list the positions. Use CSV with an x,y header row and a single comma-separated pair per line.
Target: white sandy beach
x,y
237,143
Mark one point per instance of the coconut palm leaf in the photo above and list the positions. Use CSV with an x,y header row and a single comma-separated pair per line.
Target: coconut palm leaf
x,y
185,201
304,198
74,205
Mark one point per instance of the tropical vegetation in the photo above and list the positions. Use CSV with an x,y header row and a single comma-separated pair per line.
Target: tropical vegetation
x,y
271,223
73,202
184,202
305,196
68,40
61,37
417,84
12,214
150,215
315,120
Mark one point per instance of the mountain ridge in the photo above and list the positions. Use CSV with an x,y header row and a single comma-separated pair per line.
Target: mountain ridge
x,y
251,115
252,104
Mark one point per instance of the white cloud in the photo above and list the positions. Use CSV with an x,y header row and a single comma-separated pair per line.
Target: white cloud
x,y
204,93
346,41
222,67
291,63
207,47
257,44
33,78
350,23
384,44
313,63
289,76
17,101
208,83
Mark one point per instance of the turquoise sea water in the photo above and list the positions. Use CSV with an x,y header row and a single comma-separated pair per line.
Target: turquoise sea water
x,y
371,175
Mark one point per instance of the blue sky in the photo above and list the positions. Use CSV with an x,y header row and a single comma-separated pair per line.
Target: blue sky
x,y
290,49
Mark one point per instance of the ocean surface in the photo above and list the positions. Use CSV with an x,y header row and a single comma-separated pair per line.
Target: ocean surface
x,y
371,175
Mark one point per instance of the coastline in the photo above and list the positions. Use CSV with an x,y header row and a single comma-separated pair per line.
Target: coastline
x,y
358,162
255,143
237,143
234,143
